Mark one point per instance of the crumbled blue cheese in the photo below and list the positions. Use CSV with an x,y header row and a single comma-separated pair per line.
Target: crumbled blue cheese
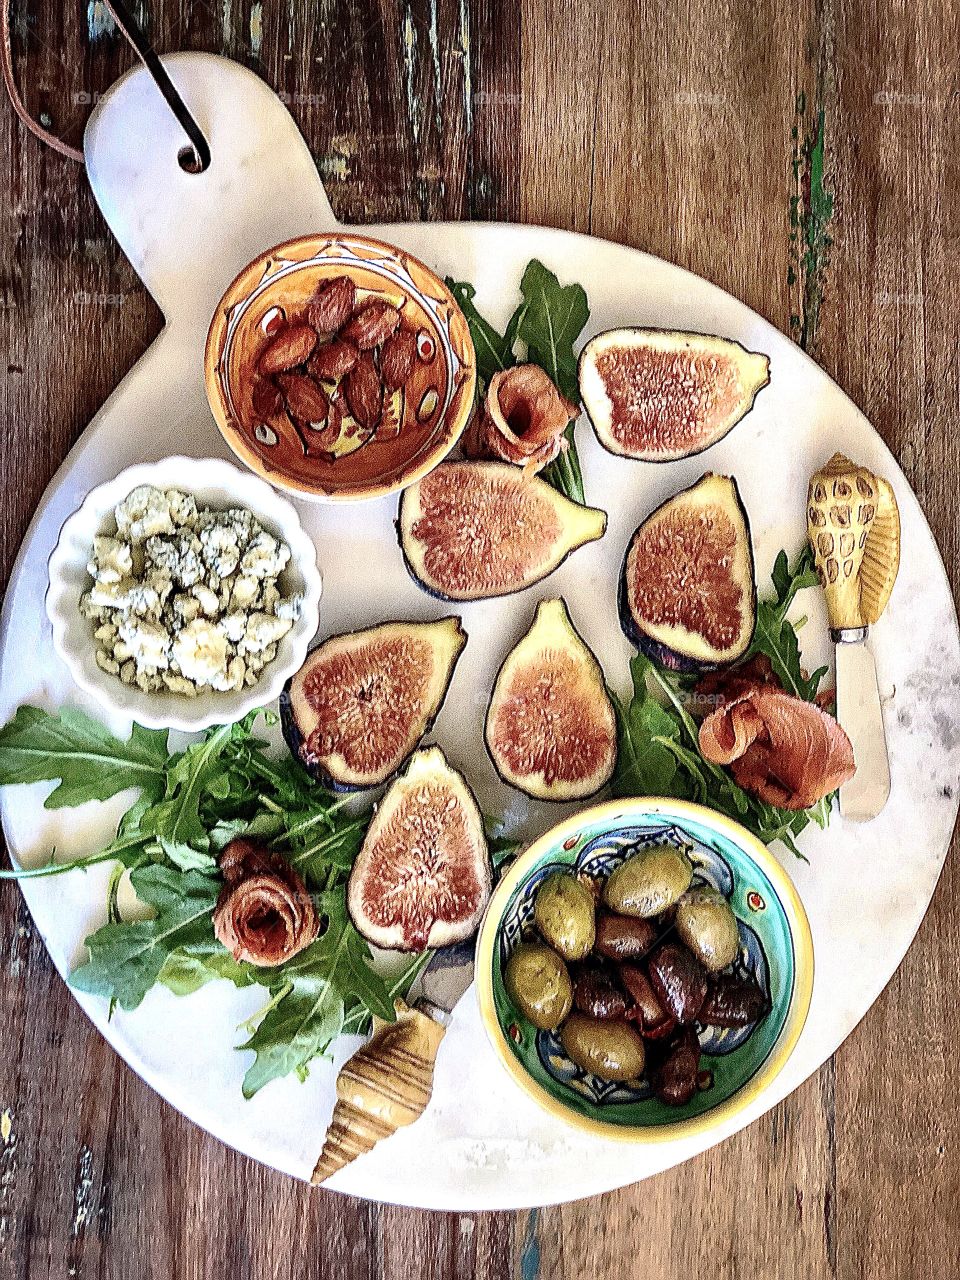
x,y
185,598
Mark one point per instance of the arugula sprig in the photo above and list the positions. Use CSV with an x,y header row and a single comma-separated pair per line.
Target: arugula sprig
x,y
659,751
542,330
191,804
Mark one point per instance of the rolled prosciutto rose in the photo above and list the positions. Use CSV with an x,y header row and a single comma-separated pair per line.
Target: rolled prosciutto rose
x,y
264,914
522,420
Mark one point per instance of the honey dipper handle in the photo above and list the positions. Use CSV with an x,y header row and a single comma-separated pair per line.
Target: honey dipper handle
x,y
841,505
383,1087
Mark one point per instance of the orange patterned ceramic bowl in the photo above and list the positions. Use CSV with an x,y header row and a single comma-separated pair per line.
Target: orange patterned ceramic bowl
x,y
347,452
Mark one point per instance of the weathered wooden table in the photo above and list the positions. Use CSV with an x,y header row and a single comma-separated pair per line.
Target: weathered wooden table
x,y
804,157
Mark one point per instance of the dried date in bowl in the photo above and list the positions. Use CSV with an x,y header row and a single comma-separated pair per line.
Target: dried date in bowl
x,y
368,326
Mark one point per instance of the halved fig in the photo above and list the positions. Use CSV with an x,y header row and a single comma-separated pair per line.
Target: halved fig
x,y
656,395
472,530
551,730
362,701
423,875
688,597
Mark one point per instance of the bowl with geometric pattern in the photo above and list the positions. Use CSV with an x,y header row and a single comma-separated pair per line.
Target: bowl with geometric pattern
x,y
775,951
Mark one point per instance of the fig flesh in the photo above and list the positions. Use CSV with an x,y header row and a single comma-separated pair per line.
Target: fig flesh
x,y
362,701
688,598
551,730
423,875
474,530
657,396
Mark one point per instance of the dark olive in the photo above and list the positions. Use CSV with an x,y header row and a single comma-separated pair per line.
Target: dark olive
x,y
624,937
733,1002
611,1050
676,1079
650,1011
537,982
648,882
679,979
706,923
564,912
596,993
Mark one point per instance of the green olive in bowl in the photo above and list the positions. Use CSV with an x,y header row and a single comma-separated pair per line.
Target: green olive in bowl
x,y
612,1050
565,914
708,927
537,982
649,882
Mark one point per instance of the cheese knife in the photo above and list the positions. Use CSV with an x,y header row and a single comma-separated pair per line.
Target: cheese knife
x,y
854,529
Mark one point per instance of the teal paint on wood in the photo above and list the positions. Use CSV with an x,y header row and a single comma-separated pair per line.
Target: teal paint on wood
x,y
530,1252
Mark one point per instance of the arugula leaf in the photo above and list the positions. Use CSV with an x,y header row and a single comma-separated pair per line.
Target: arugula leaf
x,y
645,765
89,761
126,958
176,820
494,351
775,636
553,318
187,969
326,981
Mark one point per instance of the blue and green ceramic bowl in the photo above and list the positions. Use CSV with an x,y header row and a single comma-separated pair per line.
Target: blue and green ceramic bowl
x,y
775,947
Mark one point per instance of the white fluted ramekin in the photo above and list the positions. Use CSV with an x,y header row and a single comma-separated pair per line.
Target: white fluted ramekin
x,y
213,483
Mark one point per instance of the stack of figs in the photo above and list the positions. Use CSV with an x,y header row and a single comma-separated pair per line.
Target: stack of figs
x,y
624,971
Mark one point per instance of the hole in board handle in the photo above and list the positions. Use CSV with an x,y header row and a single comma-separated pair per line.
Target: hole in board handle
x,y
189,161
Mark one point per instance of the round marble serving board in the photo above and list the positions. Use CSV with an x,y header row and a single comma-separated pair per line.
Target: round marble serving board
x,y
481,1144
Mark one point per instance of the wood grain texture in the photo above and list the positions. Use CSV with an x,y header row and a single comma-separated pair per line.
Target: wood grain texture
x,y
691,131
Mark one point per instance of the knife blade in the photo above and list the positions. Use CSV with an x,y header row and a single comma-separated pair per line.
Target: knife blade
x,y
444,980
861,716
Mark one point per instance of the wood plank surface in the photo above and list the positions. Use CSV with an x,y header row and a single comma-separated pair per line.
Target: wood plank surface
x,y
802,155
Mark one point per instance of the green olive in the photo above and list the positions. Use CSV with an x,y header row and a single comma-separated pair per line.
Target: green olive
x,y
564,912
538,984
610,1050
707,925
649,882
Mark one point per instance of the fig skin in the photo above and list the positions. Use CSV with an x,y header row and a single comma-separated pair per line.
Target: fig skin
x,y
579,526
411,892
565,748
679,979
726,348
537,982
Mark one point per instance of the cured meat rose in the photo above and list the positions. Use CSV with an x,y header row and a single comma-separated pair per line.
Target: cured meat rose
x,y
264,914
788,752
522,421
